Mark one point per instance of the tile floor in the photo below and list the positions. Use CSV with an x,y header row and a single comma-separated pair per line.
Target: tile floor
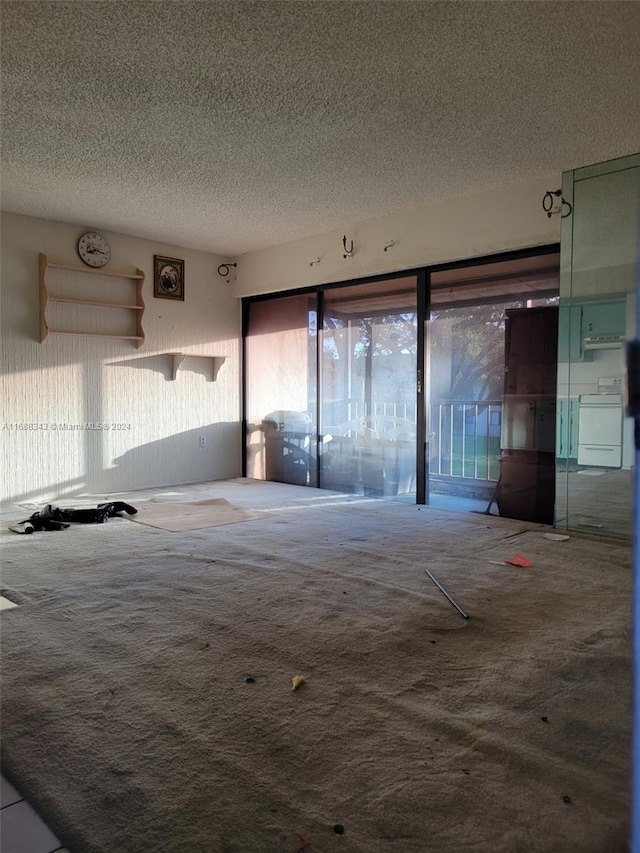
x,y
21,829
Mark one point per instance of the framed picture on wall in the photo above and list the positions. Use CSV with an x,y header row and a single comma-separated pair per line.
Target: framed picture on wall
x,y
168,280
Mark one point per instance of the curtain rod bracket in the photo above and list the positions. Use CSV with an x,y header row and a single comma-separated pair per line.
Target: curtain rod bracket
x,y
225,267
547,204
348,252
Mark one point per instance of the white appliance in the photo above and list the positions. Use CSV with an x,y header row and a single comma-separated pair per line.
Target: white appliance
x,y
600,430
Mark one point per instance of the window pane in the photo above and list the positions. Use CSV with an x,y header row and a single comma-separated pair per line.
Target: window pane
x,y
369,360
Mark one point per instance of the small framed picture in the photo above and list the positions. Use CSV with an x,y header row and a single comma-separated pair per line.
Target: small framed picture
x,y
168,281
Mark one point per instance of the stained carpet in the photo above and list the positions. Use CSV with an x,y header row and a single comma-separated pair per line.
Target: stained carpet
x,y
129,720
191,515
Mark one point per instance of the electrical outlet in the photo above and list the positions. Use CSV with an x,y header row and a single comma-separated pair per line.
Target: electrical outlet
x,y
203,441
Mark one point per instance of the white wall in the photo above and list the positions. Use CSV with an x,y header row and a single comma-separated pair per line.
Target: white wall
x,y
502,219
78,380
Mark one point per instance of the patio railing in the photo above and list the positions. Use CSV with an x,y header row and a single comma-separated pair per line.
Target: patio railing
x,y
464,439
464,435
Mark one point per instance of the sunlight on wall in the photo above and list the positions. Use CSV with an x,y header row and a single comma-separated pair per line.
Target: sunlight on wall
x,y
40,428
129,424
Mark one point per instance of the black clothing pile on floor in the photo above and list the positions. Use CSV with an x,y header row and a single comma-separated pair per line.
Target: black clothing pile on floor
x,y
54,518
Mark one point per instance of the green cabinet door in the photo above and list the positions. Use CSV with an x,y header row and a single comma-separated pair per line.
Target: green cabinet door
x,y
567,428
604,318
587,319
570,333
562,427
573,427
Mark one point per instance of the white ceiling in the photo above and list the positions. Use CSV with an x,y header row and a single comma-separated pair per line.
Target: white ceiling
x,y
230,126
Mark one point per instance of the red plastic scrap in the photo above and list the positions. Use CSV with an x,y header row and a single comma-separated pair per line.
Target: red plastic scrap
x,y
521,561
295,842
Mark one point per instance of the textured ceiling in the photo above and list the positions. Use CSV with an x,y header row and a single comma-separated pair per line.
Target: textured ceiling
x,y
230,126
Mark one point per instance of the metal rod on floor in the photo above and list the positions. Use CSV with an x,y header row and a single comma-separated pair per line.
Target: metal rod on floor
x,y
446,594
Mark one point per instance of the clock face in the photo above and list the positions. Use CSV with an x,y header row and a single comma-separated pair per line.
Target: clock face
x,y
94,249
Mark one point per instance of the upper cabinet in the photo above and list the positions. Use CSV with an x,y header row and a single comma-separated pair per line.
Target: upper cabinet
x,y
588,325
604,319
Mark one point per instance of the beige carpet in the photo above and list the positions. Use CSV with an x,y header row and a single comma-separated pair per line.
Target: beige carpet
x,y
128,718
191,515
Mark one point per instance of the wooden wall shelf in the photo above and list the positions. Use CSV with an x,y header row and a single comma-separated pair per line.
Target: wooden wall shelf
x,y
136,303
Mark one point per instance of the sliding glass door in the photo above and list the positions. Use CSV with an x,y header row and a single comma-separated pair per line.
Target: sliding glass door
x,y
395,388
369,346
482,429
280,389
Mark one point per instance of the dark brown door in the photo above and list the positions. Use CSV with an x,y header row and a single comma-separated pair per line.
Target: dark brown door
x,y
527,461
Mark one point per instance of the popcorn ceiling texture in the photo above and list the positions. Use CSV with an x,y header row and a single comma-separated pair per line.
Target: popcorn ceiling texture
x,y
232,126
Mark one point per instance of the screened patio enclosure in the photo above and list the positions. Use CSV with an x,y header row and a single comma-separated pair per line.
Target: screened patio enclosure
x,y
388,388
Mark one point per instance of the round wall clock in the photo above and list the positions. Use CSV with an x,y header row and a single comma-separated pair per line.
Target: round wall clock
x,y
94,249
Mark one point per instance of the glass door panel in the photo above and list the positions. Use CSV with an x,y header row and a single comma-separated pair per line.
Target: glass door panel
x,y
281,354
470,438
368,368
598,282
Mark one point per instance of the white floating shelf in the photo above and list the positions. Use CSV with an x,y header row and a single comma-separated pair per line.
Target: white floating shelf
x,y
178,359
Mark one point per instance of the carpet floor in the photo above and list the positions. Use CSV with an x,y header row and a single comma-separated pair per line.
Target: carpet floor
x,y
146,681
179,516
